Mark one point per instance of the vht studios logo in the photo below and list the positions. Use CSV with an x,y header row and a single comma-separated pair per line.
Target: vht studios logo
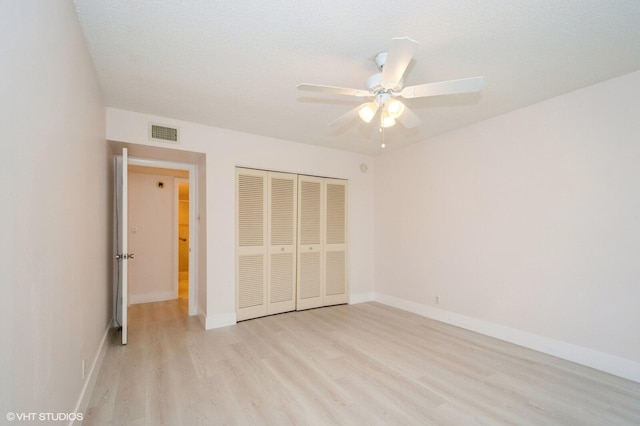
x,y
51,417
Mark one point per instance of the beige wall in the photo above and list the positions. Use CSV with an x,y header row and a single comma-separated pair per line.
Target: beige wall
x,y
525,226
55,171
152,231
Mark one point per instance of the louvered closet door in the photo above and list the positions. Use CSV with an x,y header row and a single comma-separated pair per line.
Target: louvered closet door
x,y
310,233
335,249
281,282
251,244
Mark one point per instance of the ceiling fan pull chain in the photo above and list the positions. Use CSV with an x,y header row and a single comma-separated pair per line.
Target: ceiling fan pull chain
x,y
381,130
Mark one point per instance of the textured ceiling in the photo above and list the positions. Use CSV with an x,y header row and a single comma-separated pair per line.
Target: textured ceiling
x,y
236,65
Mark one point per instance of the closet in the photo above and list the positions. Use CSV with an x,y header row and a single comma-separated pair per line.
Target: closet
x,y
291,242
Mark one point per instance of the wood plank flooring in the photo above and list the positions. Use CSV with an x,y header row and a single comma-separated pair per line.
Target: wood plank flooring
x,y
365,364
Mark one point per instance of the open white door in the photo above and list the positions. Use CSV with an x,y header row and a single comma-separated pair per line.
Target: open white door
x,y
121,256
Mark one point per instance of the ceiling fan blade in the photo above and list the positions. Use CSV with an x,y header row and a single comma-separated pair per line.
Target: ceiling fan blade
x,y
399,56
408,118
345,118
333,89
451,87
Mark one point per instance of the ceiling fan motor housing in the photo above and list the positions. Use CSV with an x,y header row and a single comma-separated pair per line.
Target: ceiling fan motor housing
x,y
381,59
373,84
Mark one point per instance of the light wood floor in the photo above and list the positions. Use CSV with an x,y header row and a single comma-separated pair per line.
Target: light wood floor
x,y
365,364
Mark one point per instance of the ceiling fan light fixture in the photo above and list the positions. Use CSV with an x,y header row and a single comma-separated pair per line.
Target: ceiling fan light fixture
x,y
388,121
368,111
395,108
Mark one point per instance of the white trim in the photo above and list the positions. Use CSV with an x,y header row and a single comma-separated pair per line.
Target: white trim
x,y
220,320
92,377
361,298
156,296
601,361
162,164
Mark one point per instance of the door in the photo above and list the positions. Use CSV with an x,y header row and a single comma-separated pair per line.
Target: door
x,y
335,240
310,242
265,243
322,242
282,206
251,247
121,256
291,242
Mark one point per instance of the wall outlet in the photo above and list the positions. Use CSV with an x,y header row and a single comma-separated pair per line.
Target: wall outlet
x,y
437,300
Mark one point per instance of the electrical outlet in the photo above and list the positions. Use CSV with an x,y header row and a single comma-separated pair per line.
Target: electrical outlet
x,y
437,300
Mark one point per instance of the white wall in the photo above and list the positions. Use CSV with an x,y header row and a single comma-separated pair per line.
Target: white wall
x,y
527,226
55,258
152,238
226,149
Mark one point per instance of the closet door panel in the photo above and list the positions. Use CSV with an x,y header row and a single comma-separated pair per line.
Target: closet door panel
x,y
281,286
310,274
251,249
282,280
310,239
336,273
336,212
335,248
251,208
251,278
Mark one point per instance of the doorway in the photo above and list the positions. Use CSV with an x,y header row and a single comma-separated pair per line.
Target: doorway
x,y
173,174
182,189
125,155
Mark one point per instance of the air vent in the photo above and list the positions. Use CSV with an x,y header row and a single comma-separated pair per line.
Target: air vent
x,y
163,133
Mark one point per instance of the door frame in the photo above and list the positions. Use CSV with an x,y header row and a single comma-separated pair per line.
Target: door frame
x,y
193,209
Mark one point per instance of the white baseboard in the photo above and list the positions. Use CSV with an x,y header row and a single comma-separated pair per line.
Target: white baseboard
x,y
158,296
361,298
219,320
580,355
92,377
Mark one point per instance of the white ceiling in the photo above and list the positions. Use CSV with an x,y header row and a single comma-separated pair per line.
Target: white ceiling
x,y
236,64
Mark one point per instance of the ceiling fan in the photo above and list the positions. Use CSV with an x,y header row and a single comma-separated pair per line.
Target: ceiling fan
x,y
383,88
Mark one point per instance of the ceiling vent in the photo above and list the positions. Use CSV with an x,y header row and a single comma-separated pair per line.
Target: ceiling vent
x,y
163,133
